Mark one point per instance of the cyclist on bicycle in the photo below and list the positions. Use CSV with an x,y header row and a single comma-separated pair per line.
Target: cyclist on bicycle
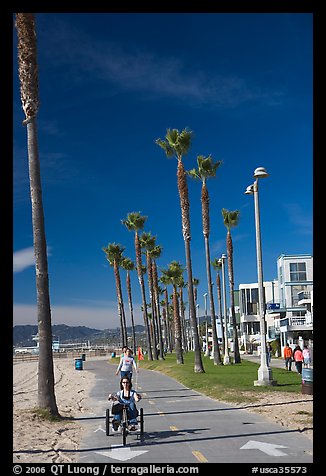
x,y
129,397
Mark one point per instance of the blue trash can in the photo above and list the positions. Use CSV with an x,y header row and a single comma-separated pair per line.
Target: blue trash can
x,y
307,381
79,364
113,355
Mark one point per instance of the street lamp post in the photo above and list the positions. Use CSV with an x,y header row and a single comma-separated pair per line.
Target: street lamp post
x,y
197,314
226,360
206,325
265,376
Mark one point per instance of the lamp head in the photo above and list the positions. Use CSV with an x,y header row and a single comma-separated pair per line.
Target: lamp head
x,y
260,172
249,190
223,256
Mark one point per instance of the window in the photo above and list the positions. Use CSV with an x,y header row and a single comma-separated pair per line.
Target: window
x,y
254,295
298,272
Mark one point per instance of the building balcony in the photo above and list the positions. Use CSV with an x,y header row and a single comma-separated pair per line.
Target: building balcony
x,y
297,323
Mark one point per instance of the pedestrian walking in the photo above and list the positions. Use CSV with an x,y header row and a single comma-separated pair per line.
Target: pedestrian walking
x,y
306,357
126,365
298,358
287,353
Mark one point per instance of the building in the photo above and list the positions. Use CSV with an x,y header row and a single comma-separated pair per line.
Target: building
x,y
295,281
289,305
249,313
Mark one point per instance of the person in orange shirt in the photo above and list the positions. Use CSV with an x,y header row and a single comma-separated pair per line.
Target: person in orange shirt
x,y
298,358
288,356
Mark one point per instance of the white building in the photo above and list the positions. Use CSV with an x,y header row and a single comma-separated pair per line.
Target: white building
x,y
289,305
295,278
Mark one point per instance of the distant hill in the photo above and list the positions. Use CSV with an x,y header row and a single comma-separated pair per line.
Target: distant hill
x,y
22,335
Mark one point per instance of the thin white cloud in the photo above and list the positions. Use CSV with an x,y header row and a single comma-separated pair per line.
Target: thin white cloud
x,y
130,67
23,259
301,220
94,317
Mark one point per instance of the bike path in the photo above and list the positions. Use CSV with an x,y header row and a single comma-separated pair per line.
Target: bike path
x,y
182,426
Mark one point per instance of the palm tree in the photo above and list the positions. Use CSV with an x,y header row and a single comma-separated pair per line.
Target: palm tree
x,y
177,144
128,265
28,76
231,219
135,222
114,256
147,241
155,253
217,265
166,313
206,169
173,276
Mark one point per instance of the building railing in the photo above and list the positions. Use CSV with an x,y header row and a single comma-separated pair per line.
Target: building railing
x,y
304,295
297,321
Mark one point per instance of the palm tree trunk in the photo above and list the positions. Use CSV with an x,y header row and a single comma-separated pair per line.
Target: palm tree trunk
x,y
219,298
216,349
46,395
177,327
206,229
151,297
128,285
168,332
28,77
237,359
121,310
183,322
157,307
143,294
184,204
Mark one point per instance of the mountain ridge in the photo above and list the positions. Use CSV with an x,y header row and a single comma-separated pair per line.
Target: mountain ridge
x,y
23,334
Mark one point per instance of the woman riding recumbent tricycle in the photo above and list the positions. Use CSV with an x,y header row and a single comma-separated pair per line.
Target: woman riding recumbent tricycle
x,y
124,413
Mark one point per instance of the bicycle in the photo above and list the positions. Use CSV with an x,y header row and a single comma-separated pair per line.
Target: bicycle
x,y
124,423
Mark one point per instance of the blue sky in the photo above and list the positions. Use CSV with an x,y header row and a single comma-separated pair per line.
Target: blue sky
x,y
110,85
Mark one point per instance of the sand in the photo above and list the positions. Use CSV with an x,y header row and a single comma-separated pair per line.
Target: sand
x,y
39,441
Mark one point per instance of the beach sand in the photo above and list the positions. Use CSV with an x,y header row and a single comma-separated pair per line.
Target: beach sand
x,y
39,441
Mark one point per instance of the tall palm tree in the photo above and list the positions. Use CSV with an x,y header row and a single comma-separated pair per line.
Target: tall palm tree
x,y
206,169
177,144
217,265
135,222
155,253
114,256
231,219
147,241
128,265
28,76
166,313
173,275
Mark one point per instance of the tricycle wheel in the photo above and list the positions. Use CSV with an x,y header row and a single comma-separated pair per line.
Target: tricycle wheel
x,y
107,422
141,418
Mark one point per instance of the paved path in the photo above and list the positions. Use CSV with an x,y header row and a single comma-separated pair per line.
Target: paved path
x,y
275,362
182,426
